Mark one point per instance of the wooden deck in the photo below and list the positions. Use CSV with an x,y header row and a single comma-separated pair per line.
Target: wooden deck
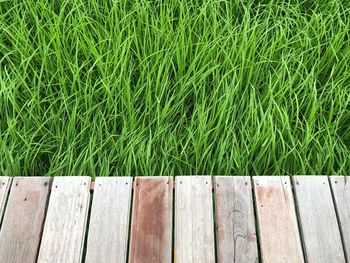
x,y
184,219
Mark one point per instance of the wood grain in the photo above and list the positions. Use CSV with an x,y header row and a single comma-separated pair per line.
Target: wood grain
x,y
236,238
194,223
341,192
5,183
278,226
24,216
109,220
151,228
320,231
64,229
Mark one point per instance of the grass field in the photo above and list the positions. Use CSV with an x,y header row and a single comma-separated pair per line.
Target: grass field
x,y
117,87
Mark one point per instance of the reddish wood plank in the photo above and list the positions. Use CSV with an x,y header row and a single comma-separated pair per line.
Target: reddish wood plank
x,y
278,225
151,231
20,231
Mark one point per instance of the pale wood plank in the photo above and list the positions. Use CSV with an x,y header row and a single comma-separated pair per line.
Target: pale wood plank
x,y
318,219
278,225
236,239
151,228
24,216
5,183
64,229
194,223
109,220
341,192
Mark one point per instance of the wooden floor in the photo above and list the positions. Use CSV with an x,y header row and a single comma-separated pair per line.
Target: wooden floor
x,y
182,219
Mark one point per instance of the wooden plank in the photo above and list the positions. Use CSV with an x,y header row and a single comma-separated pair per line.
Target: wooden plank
x,y
24,216
278,225
151,227
320,231
341,192
5,183
236,239
109,220
194,223
64,229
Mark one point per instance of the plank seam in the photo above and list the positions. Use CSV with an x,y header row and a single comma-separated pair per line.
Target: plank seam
x,y
9,185
87,226
173,259
296,206
216,243
130,218
338,219
44,219
257,229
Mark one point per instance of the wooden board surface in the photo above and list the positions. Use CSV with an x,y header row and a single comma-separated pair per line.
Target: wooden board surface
x,y
278,225
109,220
322,208
23,220
5,183
64,229
194,223
318,220
236,236
341,192
151,228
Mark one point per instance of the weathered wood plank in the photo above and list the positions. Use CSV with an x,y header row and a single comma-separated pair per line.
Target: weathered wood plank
x,y
236,239
194,223
318,219
278,225
24,216
151,227
109,220
64,229
341,192
5,183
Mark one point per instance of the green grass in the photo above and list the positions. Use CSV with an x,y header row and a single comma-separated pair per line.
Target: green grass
x,y
118,87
